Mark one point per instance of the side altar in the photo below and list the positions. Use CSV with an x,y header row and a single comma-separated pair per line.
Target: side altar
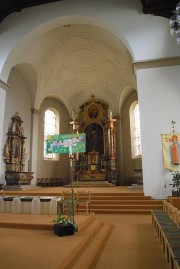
x,y
98,162
15,156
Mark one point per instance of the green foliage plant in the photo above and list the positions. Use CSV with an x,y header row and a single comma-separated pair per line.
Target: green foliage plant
x,y
61,219
176,181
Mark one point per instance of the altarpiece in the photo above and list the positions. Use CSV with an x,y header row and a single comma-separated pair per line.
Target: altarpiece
x,y
95,119
15,155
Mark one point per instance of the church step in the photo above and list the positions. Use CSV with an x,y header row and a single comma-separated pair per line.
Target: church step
x,y
129,194
123,203
120,197
123,211
92,252
126,202
134,207
94,184
88,234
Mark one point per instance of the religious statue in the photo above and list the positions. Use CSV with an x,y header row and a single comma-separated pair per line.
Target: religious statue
x,y
75,114
110,115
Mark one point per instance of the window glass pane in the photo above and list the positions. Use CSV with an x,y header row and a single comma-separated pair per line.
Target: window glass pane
x,y
137,132
50,128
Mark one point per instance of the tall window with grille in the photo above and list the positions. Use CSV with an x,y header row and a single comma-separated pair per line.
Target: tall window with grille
x,y
50,128
135,130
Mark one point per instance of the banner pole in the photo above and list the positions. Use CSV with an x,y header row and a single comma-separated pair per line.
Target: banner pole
x,y
72,190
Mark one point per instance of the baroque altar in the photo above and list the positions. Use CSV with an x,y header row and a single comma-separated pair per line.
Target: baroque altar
x,y
95,119
15,155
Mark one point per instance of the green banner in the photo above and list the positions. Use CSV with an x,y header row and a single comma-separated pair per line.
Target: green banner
x,y
66,143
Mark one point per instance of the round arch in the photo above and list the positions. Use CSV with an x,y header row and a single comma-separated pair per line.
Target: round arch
x,y
15,52
122,96
29,74
61,98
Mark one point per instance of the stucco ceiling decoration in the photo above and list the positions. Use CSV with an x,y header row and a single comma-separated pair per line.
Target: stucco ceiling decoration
x,y
83,62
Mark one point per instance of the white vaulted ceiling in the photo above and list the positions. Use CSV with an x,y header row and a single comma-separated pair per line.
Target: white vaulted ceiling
x,y
78,60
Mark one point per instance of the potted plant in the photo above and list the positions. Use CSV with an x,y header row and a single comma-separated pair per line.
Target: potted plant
x,y
175,184
63,226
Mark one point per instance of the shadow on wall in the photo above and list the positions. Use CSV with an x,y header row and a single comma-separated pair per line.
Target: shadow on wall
x,y
2,180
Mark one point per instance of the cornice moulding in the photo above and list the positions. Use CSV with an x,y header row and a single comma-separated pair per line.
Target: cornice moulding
x,y
4,85
172,61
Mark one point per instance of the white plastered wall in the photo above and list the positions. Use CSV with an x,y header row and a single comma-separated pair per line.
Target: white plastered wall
x,y
18,99
2,108
159,100
49,168
123,18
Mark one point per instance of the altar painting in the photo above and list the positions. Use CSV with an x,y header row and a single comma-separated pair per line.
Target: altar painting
x,y
94,138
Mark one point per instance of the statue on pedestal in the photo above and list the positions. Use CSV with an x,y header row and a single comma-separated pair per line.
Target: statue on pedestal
x,y
110,114
75,114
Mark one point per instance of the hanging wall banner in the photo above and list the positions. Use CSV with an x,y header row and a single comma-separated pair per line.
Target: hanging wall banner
x,y
171,151
66,143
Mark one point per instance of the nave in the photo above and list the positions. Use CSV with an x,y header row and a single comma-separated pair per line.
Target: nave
x,y
132,244
109,241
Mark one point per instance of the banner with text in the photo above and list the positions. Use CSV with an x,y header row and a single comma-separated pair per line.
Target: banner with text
x,y
66,143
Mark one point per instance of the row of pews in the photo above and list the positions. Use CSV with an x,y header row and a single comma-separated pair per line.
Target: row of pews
x,y
166,221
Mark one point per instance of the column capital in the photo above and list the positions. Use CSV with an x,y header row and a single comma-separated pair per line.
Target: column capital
x,y
34,111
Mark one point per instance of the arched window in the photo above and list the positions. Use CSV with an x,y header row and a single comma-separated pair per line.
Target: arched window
x,y
51,127
135,130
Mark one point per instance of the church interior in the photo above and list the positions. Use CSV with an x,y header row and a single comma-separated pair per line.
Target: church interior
x,y
88,90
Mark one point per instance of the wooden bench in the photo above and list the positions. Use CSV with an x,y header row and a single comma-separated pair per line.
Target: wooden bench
x,y
166,223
